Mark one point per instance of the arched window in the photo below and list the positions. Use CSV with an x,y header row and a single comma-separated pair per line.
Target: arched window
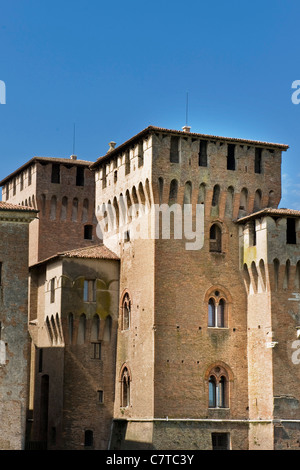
x,y
64,208
125,388
216,195
107,328
229,202
173,192
81,329
126,312
215,239
70,327
53,208
187,199
85,211
75,210
257,201
217,310
160,189
95,328
218,388
201,194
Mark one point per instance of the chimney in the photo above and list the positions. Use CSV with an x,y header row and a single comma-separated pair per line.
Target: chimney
x,y
186,129
111,146
73,157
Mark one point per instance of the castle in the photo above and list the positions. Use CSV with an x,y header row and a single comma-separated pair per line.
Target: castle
x,y
160,306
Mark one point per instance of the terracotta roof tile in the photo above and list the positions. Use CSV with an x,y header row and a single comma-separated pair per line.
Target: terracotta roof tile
x,y
90,252
5,206
272,212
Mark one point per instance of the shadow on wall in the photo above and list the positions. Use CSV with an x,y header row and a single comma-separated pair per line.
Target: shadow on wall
x,y
119,442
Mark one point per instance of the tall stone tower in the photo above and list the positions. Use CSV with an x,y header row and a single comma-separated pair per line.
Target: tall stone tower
x,y
63,191
169,202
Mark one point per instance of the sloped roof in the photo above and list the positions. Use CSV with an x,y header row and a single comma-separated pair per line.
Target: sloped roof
x,y
91,252
271,212
5,206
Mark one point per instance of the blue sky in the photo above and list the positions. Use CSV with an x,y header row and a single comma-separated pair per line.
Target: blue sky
x,y
113,68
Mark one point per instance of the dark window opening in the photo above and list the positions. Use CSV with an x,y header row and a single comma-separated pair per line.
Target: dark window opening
x,y
80,176
258,157
115,176
88,438
127,236
96,350
174,150
216,195
140,154
215,239
52,290
220,441
100,396
0,274
203,153
291,231
88,232
231,157
252,233
55,175
40,360
127,163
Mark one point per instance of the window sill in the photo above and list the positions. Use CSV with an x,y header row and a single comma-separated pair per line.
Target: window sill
x,y
218,328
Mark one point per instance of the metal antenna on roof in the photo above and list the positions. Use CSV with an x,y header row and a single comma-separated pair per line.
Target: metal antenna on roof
x,y
74,139
186,128
186,109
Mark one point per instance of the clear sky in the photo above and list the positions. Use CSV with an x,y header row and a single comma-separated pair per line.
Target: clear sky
x,y
113,68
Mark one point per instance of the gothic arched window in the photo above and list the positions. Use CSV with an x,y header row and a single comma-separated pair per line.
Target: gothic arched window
x,y
218,385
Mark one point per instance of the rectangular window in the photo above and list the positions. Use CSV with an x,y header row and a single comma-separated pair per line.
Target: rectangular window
x,y
220,441
141,154
88,232
29,176
203,153
7,191
127,163
89,291
52,290
258,158
55,175
96,350
80,176
14,187
100,396
291,231
174,150
231,157
21,182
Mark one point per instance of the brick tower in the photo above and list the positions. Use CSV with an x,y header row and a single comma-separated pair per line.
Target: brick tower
x,y
185,362
63,191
